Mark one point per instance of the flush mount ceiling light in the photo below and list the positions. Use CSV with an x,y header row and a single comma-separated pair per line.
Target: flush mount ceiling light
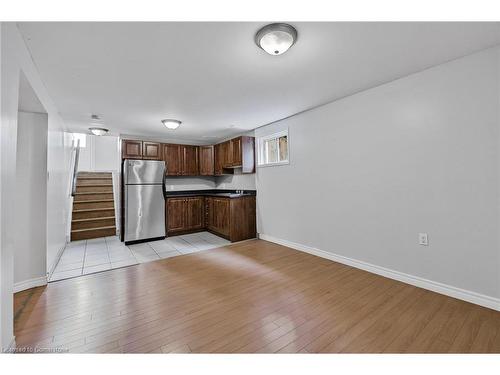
x,y
98,131
171,124
97,128
276,38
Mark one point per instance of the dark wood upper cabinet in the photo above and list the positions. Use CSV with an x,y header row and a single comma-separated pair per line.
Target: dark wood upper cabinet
x,y
190,161
235,147
238,152
206,160
151,151
228,154
131,149
218,170
173,159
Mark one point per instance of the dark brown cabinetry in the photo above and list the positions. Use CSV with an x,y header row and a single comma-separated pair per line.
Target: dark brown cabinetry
x,y
176,215
236,153
190,161
206,160
235,147
172,158
151,151
231,218
131,149
218,215
185,215
195,213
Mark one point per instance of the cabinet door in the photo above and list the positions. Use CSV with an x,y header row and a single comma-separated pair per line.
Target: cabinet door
x,y
221,215
172,157
131,149
218,159
151,151
190,165
236,152
176,214
195,218
228,154
206,160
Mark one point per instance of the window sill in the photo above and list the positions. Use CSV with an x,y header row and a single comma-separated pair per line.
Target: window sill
x,y
273,164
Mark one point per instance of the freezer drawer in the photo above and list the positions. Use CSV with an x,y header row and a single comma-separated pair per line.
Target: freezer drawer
x,y
144,212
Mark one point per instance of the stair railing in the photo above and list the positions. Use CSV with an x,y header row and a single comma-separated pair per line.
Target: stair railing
x,y
75,169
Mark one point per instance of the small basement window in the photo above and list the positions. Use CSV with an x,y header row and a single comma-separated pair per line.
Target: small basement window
x,y
273,149
80,137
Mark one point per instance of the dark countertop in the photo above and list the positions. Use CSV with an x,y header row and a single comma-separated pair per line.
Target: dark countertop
x,y
210,192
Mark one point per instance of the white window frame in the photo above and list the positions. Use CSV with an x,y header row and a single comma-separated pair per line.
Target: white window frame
x,y
260,150
76,135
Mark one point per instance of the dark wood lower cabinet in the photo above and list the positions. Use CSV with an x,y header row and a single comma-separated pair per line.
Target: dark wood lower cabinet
x,y
218,213
176,215
231,218
195,213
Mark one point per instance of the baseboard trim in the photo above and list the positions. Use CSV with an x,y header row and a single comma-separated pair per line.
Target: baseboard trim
x,y
31,283
448,290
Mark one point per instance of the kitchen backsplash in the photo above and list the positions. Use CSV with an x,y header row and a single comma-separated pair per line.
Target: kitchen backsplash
x,y
236,182
231,182
190,183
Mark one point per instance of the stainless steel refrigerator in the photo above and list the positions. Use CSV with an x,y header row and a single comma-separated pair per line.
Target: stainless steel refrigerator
x,y
144,200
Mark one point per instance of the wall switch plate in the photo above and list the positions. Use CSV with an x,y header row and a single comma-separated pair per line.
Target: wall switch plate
x,y
423,239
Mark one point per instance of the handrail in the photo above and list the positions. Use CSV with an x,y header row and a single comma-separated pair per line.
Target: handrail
x,y
75,169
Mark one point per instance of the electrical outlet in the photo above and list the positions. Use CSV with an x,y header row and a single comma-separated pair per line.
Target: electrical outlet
x,y
423,239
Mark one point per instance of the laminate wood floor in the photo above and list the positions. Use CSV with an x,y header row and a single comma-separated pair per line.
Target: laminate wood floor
x,y
251,297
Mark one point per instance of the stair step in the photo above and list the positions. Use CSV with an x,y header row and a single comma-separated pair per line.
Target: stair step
x,y
94,177
106,203
93,213
93,223
94,189
90,192
93,181
86,234
92,209
92,219
79,197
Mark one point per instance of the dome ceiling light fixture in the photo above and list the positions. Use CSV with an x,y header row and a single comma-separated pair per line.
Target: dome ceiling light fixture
x,y
276,38
99,131
171,123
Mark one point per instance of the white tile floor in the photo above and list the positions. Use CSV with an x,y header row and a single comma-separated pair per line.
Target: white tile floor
x,y
100,254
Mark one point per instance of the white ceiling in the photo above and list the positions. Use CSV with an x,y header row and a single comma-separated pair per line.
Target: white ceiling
x,y
216,80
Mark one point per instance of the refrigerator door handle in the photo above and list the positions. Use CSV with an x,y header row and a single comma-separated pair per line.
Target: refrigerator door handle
x,y
164,186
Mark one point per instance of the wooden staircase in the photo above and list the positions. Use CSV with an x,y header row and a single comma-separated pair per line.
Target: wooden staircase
x,y
93,207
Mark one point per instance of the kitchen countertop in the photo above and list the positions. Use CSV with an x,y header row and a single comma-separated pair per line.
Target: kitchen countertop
x,y
210,192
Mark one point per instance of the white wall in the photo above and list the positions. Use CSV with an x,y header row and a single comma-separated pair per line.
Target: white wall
x,y
14,59
100,154
367,173
30,256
